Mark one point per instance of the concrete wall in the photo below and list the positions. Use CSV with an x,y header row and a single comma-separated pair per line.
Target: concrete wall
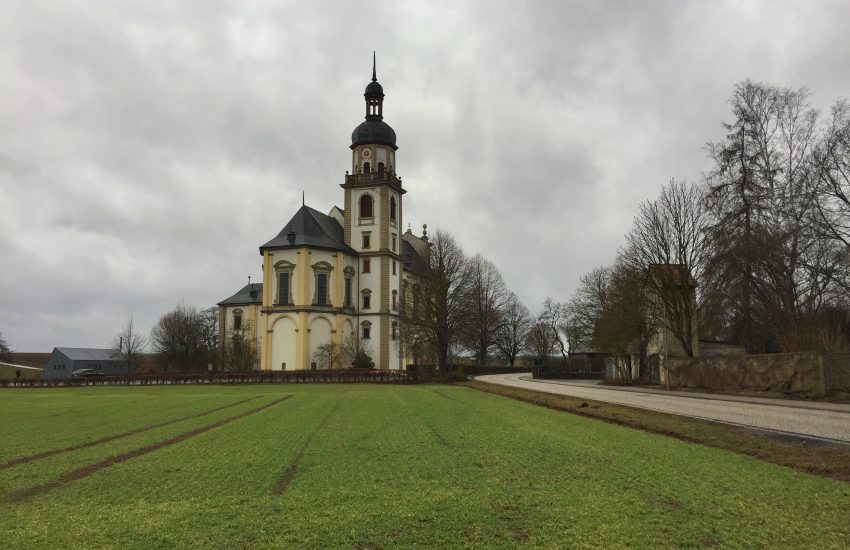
x,y
799,373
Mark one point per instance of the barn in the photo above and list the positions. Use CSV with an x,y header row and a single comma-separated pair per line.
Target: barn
x,y
64,361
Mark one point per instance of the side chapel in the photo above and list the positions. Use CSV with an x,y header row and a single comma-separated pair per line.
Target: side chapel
x,y
330,277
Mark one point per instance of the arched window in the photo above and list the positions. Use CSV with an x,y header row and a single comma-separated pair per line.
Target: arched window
x,y
380,167
367,329
366,294
394,334
285,271
349,276
395,300
322,284
392,208
237,319
367,168
366,206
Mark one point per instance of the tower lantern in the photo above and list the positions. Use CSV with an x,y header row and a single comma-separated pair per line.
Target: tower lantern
x,y
374,96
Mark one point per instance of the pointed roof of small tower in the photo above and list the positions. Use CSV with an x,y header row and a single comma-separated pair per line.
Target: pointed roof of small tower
x,y
374,88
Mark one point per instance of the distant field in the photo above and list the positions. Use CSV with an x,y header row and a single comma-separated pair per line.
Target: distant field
x,y
7,372
376,466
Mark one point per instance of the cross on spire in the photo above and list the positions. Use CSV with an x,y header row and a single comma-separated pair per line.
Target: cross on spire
x,y
374,73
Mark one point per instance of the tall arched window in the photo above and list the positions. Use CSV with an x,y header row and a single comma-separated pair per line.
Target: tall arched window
x,y
367,168
392,208
380,167
366,206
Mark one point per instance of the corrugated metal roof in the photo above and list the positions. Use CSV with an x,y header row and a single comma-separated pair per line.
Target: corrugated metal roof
x,y
88,354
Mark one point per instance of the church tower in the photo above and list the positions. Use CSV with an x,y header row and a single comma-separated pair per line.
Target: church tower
x,y
372,227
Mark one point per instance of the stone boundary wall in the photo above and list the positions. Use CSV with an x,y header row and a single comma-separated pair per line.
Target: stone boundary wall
x,y
813,374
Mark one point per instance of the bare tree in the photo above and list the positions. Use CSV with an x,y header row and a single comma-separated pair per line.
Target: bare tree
x,y
239,351
328,355
178,338
209,325
4,349
356,352
541,341
486,299
555,315
129,343
832,218
625,324
438,307
668,239
585,306
511,337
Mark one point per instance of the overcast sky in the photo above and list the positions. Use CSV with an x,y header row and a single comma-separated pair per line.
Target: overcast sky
x,y
147,149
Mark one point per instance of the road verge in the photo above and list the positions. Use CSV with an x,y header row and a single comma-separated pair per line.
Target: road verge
x,y
803,454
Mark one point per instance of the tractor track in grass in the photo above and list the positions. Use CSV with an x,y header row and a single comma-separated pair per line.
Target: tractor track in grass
x,y
47,454
437,435
85,471
283,483
449,397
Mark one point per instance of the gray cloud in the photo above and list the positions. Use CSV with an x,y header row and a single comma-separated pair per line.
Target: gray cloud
x,y
147,150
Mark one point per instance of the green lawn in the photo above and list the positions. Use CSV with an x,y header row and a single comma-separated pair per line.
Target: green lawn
x,y
375,466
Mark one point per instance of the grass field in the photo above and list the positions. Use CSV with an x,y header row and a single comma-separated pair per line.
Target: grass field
x,y
376,466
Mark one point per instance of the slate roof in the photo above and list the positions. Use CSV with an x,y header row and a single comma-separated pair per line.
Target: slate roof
x,y
413,262
88,354
373,130
244,295
582,348
310,228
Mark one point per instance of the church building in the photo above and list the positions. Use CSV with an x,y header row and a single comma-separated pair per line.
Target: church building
x,y
337,276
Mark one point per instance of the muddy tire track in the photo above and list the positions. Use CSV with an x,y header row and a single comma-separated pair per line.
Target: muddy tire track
x,y
283,483
85,471
47,454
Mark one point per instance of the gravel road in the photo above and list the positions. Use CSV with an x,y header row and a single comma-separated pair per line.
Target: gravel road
x,y
831,424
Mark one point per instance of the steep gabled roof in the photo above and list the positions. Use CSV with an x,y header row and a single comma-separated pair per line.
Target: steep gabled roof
x,y
311,228
413,262
244,295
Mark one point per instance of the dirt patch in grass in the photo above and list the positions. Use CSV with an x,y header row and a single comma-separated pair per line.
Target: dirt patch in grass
x,y
85,471
46,454
812,456
283,483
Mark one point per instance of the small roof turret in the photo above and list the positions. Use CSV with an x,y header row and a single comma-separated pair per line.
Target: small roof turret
x,y
374,129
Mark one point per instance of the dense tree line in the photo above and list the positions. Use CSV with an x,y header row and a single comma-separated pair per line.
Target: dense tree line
x,y
459,305
757,254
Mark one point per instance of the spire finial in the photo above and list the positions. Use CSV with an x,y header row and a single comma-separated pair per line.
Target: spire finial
x,y
374,73
303,202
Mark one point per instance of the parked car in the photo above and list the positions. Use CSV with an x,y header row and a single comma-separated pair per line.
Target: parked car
x,y
86,373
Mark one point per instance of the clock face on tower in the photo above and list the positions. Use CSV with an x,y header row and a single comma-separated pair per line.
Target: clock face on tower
x,y
366,153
